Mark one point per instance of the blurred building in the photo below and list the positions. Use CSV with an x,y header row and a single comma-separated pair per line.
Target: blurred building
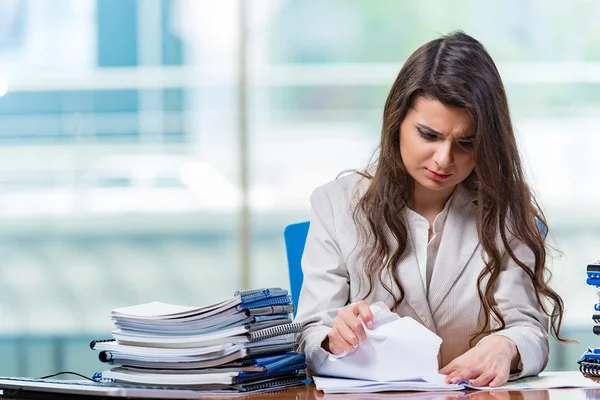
x,y
120,145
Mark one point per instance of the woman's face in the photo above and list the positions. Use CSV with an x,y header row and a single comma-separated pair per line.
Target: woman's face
x,y
436,144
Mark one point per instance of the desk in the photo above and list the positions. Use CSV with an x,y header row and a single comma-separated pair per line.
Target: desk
x,y
311,393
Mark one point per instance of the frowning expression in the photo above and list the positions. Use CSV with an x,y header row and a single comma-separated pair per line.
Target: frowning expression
x,y
436,144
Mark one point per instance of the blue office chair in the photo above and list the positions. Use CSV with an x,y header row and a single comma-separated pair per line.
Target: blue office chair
x,y
295,238
542,228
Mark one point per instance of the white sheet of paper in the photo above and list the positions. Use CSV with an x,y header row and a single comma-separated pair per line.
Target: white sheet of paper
x,y
341,385
396,349
152,310
548,380
161,311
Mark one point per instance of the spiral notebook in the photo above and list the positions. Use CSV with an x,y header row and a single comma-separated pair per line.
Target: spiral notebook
x,y
111,348
589,362
289,364
202,381
35,386
158,311
239,334
226,357
182,327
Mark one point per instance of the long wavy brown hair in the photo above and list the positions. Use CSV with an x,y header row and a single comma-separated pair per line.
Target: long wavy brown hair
x,y
458,71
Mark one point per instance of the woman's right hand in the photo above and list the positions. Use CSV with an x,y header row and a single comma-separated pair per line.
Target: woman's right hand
x,y
347,331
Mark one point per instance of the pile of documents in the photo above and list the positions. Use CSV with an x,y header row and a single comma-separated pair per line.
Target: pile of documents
x,y
542,381
242,344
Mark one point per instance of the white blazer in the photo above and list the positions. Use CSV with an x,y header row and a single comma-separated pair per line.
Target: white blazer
x,y
451,309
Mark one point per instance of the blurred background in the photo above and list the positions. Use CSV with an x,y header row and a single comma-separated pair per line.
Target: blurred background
x,y
156,149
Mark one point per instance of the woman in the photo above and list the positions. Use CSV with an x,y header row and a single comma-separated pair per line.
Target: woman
x,y
442,228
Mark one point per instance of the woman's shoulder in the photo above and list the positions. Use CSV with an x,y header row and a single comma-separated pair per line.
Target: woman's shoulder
x,y
334,202
346,188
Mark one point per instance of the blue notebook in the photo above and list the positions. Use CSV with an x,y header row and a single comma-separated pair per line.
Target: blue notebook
x,y
270,301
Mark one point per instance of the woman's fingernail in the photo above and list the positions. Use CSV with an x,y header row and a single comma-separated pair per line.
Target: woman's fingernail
x,y
370,324
455,380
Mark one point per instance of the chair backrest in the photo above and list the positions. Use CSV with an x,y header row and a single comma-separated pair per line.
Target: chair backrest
x,y
295,238
542,228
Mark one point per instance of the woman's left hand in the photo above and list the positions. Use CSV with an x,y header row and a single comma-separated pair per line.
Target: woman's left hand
x,y
487,364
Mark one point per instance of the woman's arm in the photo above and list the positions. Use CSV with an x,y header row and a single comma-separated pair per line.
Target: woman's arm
x,y
325,288
521,348
526,323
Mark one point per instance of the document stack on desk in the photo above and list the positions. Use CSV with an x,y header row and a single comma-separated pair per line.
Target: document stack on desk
x,y
242,344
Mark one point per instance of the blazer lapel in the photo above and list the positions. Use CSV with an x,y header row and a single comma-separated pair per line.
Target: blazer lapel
x,y
412,283
459,241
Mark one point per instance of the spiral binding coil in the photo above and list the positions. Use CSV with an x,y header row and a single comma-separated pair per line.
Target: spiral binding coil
x,y
251,377
263,352
275,331
263,294
270,310
97,377
270,290
589,368
294,380
271,301
93,342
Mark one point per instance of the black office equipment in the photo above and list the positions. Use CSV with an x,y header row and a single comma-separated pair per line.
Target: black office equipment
x,y
589,362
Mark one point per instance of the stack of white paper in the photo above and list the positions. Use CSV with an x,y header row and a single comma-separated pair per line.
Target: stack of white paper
x,y
396,349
